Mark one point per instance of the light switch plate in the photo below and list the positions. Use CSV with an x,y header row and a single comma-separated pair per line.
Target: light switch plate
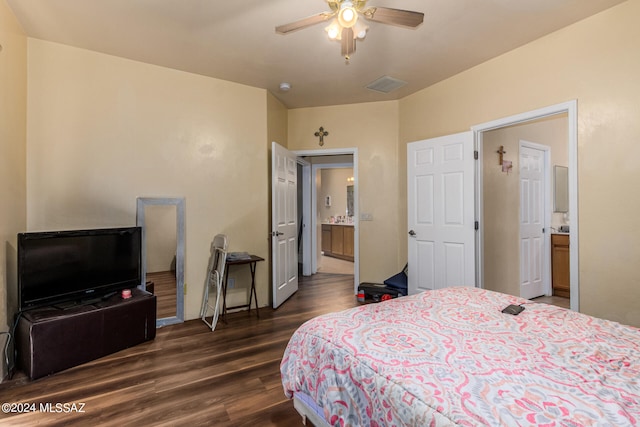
x,y
366,217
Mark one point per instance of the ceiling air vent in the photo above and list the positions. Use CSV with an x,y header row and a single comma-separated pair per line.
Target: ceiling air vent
x,y
386,84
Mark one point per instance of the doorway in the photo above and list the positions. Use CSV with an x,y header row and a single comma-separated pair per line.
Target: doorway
x,y
313,163
329,181
488,262
334,235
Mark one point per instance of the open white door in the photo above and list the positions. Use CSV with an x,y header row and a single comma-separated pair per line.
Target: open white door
x,y
441,220
284,223
532,222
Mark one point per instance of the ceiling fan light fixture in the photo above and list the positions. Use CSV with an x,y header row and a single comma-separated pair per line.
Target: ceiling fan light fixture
x,y
346,25
333,30
347,16
360,30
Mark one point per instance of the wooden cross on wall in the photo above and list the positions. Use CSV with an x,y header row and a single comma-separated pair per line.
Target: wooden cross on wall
x,y
321,133
501,152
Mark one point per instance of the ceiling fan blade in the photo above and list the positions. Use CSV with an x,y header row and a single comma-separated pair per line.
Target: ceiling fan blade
x,y
385,15
303,23
348,42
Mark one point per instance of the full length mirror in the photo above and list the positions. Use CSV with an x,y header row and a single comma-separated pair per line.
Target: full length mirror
x,y
561,189
162,222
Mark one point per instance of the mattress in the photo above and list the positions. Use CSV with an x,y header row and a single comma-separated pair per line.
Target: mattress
x,y
309,410
451,357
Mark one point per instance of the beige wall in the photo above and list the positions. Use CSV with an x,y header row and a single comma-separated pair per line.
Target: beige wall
x,y
595,61
103,131
501,195
277,115
13,115
373,129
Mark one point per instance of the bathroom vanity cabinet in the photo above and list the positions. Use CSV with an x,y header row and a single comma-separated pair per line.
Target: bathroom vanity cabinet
x,y
338,241
560,265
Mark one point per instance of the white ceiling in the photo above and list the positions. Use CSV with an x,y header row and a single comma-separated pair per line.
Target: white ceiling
x,y
236,40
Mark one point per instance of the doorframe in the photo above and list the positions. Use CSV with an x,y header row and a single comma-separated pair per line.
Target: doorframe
x,y
571,109
309,187
546,250
305,182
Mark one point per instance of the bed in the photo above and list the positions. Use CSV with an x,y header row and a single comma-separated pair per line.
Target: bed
x,y
451,357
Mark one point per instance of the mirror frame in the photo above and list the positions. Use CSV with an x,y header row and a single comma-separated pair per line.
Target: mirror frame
x,y
350,203
179,204
560,189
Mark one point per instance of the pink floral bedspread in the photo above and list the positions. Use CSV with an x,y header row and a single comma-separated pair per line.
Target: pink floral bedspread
x,y
450,357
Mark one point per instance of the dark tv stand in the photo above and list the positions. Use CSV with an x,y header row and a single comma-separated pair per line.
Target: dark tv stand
x,y
66,305
52,339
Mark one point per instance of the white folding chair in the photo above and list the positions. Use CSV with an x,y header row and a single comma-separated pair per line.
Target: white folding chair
x,y
213,285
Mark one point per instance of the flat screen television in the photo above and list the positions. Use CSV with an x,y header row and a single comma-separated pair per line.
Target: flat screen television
x,y
65,266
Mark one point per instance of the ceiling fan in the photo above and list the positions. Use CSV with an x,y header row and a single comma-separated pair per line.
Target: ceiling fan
x,y
346,26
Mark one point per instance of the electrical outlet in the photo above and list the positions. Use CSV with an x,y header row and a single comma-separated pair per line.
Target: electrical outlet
x,y
231,282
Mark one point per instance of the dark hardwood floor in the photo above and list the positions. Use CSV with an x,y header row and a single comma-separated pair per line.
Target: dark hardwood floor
x,y
164,287
188,375
554,300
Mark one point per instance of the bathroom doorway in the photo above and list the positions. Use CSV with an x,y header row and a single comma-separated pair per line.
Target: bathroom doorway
x,y
499,265
334,192
313,205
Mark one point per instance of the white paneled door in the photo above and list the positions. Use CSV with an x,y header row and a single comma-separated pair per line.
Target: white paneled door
x,y
284,223
441,219
532,222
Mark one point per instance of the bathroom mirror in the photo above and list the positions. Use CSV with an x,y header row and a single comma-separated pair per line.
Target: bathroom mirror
x,y
561,189
162,222
349,200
